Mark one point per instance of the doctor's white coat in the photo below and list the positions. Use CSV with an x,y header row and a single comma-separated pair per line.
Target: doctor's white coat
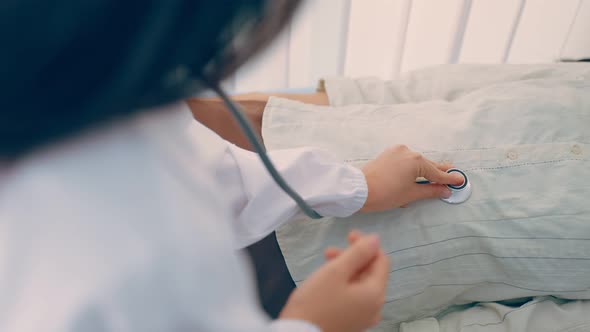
x,y
136,226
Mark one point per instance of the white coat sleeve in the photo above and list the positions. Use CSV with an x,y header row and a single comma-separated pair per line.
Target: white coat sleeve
x,y
142,242
259,206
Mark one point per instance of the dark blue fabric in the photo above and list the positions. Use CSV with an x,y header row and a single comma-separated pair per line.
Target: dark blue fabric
x,y
274,281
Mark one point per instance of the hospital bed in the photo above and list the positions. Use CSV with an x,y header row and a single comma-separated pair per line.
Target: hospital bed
x,y
521,134
425,33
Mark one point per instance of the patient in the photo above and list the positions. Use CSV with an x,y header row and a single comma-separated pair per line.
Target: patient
x,y
213,113
521,133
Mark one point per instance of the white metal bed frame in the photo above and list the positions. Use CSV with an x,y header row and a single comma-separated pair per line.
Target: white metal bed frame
x,y
385,38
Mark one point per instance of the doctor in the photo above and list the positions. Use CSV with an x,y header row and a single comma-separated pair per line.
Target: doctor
x,y
118,212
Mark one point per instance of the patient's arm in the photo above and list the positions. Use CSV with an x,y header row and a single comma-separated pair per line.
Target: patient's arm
x,y
317,98
212,112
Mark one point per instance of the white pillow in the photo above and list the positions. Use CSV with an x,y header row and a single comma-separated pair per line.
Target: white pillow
x,y
522,133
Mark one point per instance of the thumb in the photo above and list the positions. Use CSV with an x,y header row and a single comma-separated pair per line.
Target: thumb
x,y
357,256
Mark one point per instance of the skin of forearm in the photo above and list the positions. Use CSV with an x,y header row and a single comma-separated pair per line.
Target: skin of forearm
x,y
318,98
212,113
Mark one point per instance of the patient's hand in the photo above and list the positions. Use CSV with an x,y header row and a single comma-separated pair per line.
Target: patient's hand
x,y
391,179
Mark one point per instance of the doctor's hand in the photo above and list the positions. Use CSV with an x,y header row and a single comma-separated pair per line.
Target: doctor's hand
x,y
391,179
346,294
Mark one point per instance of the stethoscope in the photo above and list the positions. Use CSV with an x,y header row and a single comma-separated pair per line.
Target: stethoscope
x,y
459,194
244,124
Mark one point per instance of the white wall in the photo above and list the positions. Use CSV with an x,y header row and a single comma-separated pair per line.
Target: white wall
x,y
385,38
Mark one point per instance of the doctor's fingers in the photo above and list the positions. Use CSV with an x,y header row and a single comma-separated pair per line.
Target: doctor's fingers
x,y
333,252
442,166
353,236
425,191
374,278
357,257
433,172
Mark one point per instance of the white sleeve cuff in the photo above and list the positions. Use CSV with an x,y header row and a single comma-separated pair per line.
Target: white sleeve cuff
x,y
329,186
290,325
357,184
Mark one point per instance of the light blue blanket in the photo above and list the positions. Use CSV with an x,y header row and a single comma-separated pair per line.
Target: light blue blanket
x,y
522,133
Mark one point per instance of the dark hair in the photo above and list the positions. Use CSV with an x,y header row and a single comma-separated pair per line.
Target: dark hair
x,y
70,64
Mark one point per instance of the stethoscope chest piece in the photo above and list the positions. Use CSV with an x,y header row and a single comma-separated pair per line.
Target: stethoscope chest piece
x,y
460,193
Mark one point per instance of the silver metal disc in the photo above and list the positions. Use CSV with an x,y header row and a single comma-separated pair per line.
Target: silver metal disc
x,y
461,193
